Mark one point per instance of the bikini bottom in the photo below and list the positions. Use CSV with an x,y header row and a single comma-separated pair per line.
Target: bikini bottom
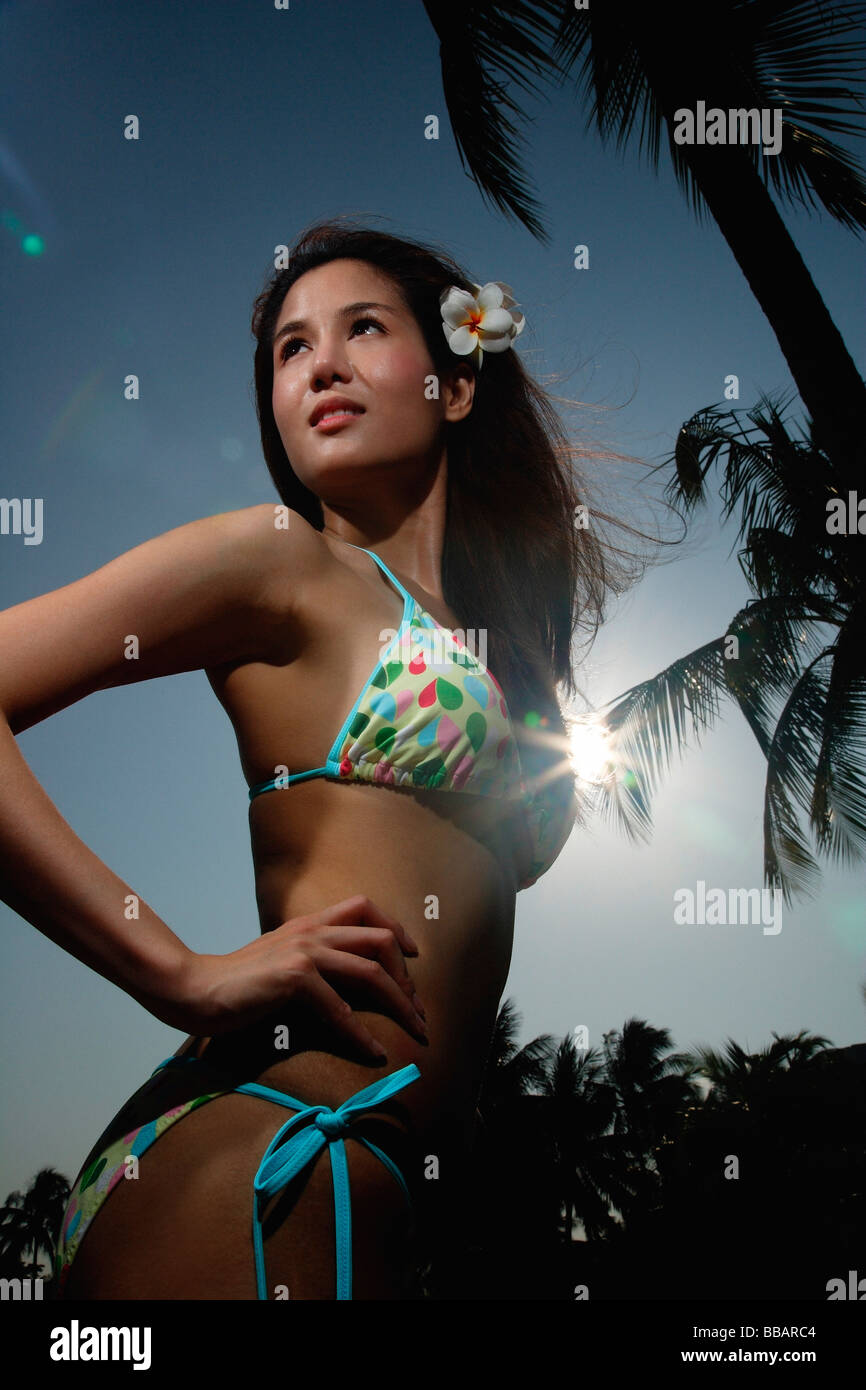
x,y
293,1148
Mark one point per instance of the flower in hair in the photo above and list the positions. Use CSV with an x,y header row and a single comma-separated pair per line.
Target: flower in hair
x,y
479,323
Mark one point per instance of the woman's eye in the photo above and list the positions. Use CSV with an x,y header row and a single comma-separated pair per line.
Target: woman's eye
x,y
286,352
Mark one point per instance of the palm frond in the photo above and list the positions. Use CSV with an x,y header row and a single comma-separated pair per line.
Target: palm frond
x,y
778,562
477,41
688,487
791,768
838,805
798,59
613,75
768,481
649,719
644,725
798,1049
780,487
774,678
623,801
774,481
760,54
777,637
817,171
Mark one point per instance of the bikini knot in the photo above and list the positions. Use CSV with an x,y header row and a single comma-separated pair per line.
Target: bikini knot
x,y
331,1124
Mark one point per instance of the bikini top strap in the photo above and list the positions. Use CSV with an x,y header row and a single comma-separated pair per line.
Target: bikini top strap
x,y
382,566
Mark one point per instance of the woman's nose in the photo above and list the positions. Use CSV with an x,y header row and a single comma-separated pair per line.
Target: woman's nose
x,y
327,361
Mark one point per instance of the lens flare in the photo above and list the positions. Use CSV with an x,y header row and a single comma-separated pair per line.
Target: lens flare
x,y
590,751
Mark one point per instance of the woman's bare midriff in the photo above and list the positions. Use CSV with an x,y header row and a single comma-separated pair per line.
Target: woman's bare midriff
x,y
444,864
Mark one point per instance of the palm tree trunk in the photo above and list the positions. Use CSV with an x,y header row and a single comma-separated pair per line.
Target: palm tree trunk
x,y
827,379
829,384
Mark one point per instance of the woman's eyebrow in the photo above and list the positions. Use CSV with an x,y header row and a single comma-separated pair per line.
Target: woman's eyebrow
x,y
298,325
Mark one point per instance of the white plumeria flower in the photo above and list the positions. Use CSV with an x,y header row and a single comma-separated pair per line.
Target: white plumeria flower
x,y
479,323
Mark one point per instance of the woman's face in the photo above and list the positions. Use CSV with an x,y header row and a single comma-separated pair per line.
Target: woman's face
x,y
344,331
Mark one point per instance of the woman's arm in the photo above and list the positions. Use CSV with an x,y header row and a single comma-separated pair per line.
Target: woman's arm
x,y
209,592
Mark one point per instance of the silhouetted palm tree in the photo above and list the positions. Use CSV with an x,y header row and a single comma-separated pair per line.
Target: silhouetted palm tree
x,y
513,1071
651,1087
551,1110
31,1222
577,1114
746,1079
793,660
785,55
792,1115
626,1131
652,1092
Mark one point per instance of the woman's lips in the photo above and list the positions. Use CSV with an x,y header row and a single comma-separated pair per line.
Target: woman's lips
x,y
335,420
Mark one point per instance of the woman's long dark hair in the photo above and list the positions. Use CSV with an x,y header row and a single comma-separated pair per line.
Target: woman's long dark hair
x,y
514,559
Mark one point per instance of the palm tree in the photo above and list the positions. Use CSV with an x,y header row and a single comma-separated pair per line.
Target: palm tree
x,y
551,1110
746,1079
31,1222
793,660
781,1104
791,1115
512,1071
624,1132
579,1107
735,54
651,1088
653,1091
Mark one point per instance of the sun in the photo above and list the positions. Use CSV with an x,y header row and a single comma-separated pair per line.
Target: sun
x,y
590,750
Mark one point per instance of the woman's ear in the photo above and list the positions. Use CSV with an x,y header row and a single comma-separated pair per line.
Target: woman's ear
x,y
457,388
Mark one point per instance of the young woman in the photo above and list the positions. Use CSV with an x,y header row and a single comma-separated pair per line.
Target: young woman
x,y
387,644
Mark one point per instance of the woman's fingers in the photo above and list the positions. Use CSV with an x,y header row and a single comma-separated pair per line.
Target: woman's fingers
x,y
359,925
360,908
327,1005
353,942
371,975
377,942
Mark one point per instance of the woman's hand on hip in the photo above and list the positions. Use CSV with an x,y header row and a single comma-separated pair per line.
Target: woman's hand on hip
x,y
306,962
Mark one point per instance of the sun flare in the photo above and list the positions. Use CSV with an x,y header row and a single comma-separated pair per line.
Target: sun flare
x,y
590,751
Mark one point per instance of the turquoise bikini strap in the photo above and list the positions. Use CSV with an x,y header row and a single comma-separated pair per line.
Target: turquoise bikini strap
x,y
382,566
299,1141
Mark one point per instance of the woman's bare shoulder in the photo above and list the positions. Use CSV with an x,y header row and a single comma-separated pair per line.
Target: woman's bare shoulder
x,y
287,553
218,590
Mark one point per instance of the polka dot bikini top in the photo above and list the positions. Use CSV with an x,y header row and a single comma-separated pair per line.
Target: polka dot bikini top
x,y
431,715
